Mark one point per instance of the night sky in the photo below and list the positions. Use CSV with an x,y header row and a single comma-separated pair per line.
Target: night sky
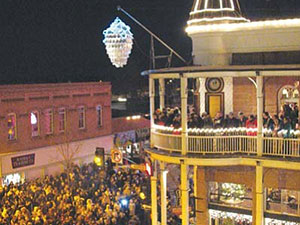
x,y
61,40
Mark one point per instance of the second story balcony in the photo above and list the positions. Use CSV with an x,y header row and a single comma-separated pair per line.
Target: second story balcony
x,y
254,90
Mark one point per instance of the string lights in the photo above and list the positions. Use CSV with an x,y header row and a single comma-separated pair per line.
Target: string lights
x,y
118,41
228,131
216,214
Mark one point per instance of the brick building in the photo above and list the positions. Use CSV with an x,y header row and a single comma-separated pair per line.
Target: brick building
x,y
42,123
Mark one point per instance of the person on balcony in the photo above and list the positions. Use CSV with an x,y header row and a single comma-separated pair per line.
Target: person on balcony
x,y
251,124
231,121
207,121
219,121
195,121
277,126
242,119
268,122
287,127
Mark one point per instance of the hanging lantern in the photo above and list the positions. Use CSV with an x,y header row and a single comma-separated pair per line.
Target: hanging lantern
x,y
118,41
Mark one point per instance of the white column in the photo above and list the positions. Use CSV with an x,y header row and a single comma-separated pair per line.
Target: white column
x,y
161,93
184,193
259,96
163,193
183,93
152,108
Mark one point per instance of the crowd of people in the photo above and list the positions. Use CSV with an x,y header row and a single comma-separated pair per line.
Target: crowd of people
x,y
83,196
287,119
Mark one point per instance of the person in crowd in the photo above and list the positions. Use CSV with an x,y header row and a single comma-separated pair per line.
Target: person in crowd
x,y
277,126
207,121
231,121
195,121
80,197
287,126
219,121
242,119
268,122
251,123
294,115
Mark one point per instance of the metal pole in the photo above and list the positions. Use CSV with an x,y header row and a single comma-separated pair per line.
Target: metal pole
x,y
152,34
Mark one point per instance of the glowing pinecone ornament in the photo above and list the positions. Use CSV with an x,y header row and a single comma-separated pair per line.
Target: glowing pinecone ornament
x,y
118,41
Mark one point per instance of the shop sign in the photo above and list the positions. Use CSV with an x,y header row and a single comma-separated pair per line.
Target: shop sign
x,y
21,161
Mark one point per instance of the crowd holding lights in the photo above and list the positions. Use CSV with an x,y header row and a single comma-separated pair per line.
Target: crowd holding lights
x,y
81,196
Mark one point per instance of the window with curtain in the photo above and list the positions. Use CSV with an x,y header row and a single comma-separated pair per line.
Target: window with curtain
x,y
12,126
34,122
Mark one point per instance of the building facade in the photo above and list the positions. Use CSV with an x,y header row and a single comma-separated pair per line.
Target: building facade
x,y
45,125
241,176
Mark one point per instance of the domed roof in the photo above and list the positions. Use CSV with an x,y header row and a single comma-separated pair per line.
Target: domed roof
x,y
215,12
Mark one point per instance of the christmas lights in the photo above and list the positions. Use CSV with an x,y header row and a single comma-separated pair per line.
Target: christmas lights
x,y
118,41
216,214
191,29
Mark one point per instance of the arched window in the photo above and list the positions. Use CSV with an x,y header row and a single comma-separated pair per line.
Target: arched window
x,y
288,94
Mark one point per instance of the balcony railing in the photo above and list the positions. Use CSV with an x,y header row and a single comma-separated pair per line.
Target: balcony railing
x,y
227,144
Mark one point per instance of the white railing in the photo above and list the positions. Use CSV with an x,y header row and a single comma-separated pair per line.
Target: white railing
x,y
228,144
222,144
168,142
281,147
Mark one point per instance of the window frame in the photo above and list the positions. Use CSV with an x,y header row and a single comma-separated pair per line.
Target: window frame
x,y
81,109
48,112
15,127
38,123
63,111
99,108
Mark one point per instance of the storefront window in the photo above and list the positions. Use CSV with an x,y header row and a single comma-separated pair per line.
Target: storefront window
x,y
235,195
282,201
14,178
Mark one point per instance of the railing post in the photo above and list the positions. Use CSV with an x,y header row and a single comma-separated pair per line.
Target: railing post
x,y
152,108
154,195
161,93
259,96
183,93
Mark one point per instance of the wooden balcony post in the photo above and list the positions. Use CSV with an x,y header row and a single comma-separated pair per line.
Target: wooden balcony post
x,y
154,195
259,96
258,211
184,193
163,193
184,95
152,108
161,93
